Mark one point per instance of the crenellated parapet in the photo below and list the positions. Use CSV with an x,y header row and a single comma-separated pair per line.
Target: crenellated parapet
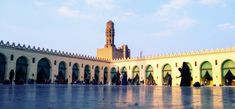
x,y
34,49
173,55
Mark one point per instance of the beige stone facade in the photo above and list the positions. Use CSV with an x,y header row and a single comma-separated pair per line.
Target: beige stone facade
x,y
217,63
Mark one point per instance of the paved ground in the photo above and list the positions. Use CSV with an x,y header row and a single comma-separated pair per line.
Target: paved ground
x,y
114,97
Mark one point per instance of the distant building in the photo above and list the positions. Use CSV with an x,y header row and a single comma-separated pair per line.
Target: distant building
x,y
110,51
25,64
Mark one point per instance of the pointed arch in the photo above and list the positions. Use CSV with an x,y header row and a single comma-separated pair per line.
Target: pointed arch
x,y
75,72
124,75
87,74
166,72
136,75
21,70
62,78
113,75
149,75
43,71
105,75
97,74
228,72
206,73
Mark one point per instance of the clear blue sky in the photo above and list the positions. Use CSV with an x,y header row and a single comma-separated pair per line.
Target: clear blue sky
x,y
153,26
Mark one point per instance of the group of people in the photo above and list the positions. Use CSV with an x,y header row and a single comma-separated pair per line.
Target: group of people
x,y
121,79
185,76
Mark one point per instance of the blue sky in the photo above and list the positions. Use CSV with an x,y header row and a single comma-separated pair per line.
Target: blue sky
x,y
151,26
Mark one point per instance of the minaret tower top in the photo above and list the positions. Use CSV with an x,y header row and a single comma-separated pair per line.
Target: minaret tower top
x,y
110,34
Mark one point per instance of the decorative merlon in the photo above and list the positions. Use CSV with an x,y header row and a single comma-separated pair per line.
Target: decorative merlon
x,y
171,55
50,52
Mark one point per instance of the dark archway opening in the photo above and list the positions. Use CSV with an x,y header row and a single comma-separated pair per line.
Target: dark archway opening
x,y
21,70
105,75
43,71
61,77
75,73
87,74
97,72
2,67
114,76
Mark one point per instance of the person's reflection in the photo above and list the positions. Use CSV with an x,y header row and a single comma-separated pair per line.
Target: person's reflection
x,y
228,97
167,96
186,97
206,98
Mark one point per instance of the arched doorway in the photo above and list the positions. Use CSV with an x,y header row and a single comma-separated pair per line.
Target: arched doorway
x,y
62,73
135,76
2,67
124,76
105,75
149,75
206,73
87,74
75,72
97,73
113,75
21,70
228,72
166,74
43,71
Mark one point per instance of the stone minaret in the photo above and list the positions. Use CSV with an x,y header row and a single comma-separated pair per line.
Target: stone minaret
x,y
109,34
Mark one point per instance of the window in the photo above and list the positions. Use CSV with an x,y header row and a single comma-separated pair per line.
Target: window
x,y
69,64
195,63
12,57
55,62
33,60
216,62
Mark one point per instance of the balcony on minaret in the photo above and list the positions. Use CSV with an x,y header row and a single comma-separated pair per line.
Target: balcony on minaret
x,y
110,33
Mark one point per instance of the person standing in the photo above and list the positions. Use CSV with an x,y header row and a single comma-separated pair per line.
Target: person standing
x,y
185,75
169,83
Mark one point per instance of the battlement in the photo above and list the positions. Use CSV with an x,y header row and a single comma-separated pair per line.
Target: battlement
x,y
49,51
173,55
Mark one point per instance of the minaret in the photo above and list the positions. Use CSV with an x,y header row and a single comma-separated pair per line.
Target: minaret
x,y
110,51
109,34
